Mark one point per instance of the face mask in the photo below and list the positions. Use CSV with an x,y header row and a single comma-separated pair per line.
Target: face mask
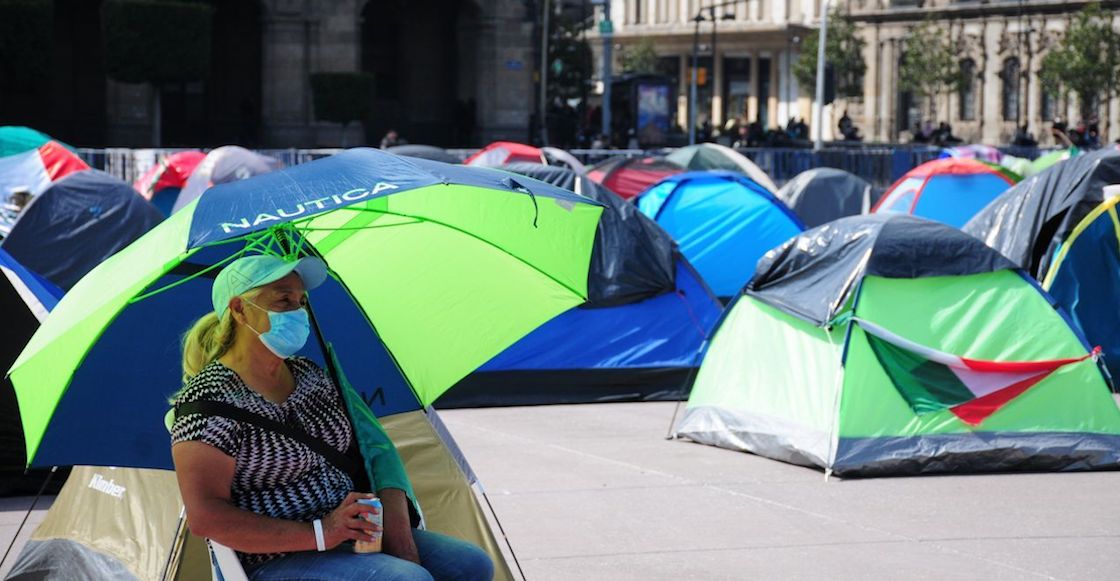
x,y
287,333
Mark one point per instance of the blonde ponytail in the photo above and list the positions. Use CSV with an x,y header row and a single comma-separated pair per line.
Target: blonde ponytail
x,y
208,339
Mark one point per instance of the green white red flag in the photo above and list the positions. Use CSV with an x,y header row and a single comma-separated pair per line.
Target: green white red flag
x,y
973,389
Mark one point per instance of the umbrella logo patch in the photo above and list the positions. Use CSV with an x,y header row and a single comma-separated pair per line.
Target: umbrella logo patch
x,y
307,208
109,487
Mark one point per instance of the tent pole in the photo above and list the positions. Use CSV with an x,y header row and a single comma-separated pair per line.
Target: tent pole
x,y
502,530
15,537
688,380
176,543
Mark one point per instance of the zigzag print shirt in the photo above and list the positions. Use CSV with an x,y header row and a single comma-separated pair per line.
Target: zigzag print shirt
x,y
275,476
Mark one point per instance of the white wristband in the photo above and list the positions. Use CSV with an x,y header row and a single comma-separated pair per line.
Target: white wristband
x,y
320,544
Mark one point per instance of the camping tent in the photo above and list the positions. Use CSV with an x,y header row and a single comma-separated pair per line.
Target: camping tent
x,y
824,194
1029,222
34,171
637,337
1085,278
722,221
826,359
25,299
76,224
630,176
163,182
18,139
125,524
712,156
424,152
228,163
947,190
500,153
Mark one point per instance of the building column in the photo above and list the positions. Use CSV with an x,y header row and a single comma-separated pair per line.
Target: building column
x,y
716,113
752,99
991,112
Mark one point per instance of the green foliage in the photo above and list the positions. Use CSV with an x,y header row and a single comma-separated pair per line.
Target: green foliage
x,y
342,97
569,58
843,49
26,40
156,41
1087,62
640,58
929,66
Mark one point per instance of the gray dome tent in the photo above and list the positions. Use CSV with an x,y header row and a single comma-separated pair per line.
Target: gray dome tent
x,y
824,194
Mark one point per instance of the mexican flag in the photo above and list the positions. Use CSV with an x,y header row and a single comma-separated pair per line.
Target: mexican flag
x,y
931,380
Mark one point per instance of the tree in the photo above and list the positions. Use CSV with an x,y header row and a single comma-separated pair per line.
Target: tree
x,y
640,59
342,97
156,42
569,57
929,66
1086,62
843,50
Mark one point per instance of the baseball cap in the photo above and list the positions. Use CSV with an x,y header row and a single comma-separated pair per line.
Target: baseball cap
x,y
249,272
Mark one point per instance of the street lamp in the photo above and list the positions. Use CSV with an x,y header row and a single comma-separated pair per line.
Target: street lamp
x,y
818,101
692,104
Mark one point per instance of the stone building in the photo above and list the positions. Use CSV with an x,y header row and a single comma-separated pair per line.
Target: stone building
x,y
755,42
448,72
1000,45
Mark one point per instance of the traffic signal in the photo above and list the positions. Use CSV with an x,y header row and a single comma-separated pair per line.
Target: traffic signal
x,y
829,83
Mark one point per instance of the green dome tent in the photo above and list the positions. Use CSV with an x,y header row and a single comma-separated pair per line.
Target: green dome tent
x,y
883,344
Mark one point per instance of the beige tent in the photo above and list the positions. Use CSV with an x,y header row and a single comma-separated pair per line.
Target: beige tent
x,y
125,523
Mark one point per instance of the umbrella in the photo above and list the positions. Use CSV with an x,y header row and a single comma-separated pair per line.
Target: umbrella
x,y
435,269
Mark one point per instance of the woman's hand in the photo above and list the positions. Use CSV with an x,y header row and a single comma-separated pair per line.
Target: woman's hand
x,y
347,521
398,540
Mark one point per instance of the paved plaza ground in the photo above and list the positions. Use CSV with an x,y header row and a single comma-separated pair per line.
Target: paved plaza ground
x,y
596,492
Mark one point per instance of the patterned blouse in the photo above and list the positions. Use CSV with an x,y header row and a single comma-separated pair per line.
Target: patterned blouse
x,y
274,476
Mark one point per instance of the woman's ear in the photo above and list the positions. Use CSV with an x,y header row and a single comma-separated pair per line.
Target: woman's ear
x,y
237,310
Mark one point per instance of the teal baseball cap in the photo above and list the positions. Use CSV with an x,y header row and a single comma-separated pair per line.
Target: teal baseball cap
x,y
249,272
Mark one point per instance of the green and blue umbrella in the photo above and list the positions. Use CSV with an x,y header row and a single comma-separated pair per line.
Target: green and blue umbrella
x,y
435,269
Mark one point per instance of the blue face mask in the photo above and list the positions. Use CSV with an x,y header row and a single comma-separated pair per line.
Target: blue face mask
x,y
287,333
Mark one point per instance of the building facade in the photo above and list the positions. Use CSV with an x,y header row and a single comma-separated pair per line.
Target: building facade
x,y
447,72
999,45
744,54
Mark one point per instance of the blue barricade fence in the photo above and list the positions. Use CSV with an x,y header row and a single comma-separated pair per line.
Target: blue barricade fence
x,y
880,165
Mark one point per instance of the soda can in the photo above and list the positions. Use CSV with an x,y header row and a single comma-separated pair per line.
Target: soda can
x,y
373,546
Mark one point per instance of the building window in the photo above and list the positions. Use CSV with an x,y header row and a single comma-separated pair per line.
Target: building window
x,y
1048,103
968,90
1010,77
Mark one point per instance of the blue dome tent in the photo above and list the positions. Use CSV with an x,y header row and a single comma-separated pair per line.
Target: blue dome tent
x,y
637,337
722,221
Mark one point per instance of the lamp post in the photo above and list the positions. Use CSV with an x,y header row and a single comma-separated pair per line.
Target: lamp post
x,y
606,30
543,115
692,97
818,101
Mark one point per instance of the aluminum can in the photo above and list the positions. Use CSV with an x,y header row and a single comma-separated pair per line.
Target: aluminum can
x,y
373,546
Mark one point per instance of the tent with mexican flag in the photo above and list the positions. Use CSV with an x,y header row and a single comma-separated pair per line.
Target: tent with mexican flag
x,y
890,344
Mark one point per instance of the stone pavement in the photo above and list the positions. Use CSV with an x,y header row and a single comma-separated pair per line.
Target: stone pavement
x,y
596,492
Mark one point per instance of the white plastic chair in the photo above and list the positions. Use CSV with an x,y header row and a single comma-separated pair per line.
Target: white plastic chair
x,y
224,564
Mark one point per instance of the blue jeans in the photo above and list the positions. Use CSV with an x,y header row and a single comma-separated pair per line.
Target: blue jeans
x,y
442,557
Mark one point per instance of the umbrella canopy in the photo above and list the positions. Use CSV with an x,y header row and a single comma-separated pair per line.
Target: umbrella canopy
x,y
77,223
947,190
713,156
18,139
162,183
424,152
630,176
435,269
500,153
825,194
225,164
